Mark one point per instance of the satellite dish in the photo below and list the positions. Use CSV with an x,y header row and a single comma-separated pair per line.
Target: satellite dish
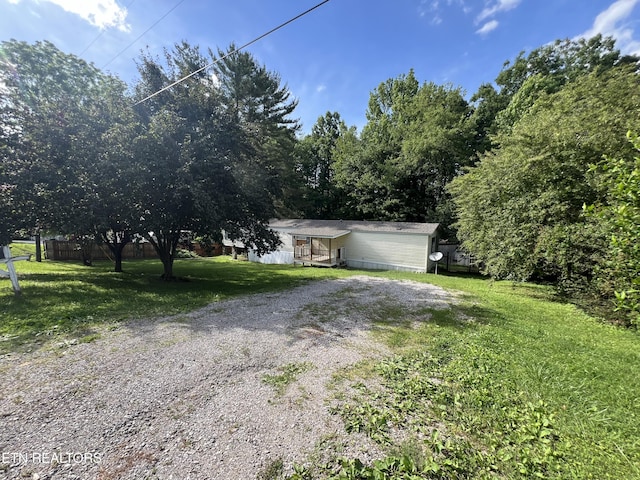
x,y
435,256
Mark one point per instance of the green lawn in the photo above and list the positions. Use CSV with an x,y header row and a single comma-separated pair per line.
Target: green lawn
x,y
533,388
71,299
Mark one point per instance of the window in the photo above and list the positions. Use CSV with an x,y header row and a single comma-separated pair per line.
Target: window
x,y
299,241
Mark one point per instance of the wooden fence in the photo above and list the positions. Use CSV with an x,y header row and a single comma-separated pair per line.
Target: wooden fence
x,y
65,250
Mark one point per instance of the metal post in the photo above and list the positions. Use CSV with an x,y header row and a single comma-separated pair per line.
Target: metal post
x,y
13,276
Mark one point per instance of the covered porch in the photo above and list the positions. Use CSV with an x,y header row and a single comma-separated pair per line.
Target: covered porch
x,y
320,247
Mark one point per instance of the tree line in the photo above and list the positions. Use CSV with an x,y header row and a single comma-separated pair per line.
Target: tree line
x,y
536,174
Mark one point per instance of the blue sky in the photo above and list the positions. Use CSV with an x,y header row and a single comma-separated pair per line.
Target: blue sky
x,y
334,57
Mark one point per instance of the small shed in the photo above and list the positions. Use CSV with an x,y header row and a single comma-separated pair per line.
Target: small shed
x,y
372,245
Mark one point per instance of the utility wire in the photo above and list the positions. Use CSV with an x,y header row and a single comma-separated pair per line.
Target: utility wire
x,y
92,42
142,34
236,50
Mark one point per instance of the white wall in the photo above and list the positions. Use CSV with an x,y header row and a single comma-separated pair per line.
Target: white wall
x,y
368,250
282,256
278,257
287,242
387,251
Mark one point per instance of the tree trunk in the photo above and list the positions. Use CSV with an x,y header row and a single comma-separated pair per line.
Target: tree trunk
x,y
117,261
167,264
38,247
86,249
165,246
116,243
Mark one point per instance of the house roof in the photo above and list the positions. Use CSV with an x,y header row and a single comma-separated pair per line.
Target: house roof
x,y
319,232
338,228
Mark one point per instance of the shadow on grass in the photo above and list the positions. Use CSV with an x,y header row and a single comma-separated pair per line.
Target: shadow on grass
x,y
466,316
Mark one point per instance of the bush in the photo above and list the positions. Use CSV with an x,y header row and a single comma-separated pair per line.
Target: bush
x,y
182,253
622,216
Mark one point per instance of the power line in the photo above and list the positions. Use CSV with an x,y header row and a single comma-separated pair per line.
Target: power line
x,y
142,34
236,50
92,42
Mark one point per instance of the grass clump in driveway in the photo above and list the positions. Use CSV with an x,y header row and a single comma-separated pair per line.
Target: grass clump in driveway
x,y
288,374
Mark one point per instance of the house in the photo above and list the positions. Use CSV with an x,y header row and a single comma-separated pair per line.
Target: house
x,y
357,244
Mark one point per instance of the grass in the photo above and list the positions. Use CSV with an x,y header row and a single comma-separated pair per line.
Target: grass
x,y
509,383
69,299
288,374
533,388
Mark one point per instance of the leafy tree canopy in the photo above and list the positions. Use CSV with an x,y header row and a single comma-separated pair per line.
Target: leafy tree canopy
x,y
55,110
212,150
261,108
520,209
544,70
417,138
320,196
620,215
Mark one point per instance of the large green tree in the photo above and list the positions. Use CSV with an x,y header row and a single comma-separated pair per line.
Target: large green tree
x,y
520,209
319,194
619,212
208,162
563,61
261,109
417,138
113,212
92,200
542,71
56,110
39,84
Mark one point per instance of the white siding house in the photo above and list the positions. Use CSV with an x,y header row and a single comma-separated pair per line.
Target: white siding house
x,y
359,244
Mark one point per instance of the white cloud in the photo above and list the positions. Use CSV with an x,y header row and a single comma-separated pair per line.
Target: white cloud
x,y
100,13
497,7
460,3
488,27
427,7
321,88
434,8
612,22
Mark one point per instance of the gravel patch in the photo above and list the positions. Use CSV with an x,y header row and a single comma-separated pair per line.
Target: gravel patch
x,y
184,397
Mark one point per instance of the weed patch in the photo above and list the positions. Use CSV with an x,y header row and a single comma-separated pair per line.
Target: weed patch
x,y
288,374
273,471
509,383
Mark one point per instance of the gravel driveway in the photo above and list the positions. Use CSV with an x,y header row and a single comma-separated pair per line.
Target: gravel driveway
x,y
184,397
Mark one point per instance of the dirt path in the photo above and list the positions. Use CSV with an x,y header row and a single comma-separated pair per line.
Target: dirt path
x,y
184,397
